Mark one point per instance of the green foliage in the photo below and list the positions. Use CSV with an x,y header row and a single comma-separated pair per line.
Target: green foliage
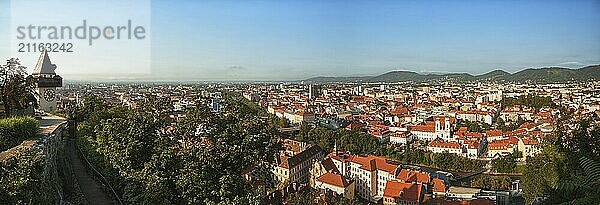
x,y
492,182
148,165
547,75
354,141
510,126
475,126
543,172
584,189
309,197
506,164
22,179
16,89
16,129
556,74
533,101
566,171
444,161
301,198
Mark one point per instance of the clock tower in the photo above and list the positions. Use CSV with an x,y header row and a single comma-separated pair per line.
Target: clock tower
x,y
46,82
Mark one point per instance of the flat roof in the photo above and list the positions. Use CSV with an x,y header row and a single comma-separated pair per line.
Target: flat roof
x,y
463,190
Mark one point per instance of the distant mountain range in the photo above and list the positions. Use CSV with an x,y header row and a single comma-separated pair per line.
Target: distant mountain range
x,y
542,75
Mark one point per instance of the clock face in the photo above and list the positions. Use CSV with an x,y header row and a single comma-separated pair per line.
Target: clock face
x,y
49,95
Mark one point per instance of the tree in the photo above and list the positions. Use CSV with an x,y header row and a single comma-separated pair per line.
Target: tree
x,y
198,161
492,182
582,190
564,169
542,173
355,141
301,198
506,164
16,88
22,179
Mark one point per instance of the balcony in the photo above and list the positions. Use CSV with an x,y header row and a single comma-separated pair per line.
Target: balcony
x,y
56,81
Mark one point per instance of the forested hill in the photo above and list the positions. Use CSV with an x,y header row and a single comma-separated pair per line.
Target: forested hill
x,y
542,75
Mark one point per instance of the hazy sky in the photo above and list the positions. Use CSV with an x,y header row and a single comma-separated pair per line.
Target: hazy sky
x,y
283,40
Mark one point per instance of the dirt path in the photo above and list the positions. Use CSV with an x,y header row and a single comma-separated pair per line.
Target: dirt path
x,y
93,190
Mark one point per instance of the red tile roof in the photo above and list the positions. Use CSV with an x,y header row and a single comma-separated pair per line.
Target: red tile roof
x,y
495,133
372,163
472,144
441,144
403,191
334,179
503,144
407,175
439,185
423,128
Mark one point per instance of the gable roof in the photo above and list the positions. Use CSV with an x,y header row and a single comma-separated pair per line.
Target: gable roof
x,y
407,175
304,155
334,179
403,191
439,185
372,163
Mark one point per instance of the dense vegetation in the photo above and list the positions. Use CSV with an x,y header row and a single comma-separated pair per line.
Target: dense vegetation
x,y
198,161
555,74
547,75
506,164
492,182
16,129
533,101
22,179
509,126
355,141
16,88
22,176
307,197
474,126
567,169
443,161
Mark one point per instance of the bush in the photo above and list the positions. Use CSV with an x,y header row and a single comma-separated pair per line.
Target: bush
x,y
443,161
22,179
492,182
16,129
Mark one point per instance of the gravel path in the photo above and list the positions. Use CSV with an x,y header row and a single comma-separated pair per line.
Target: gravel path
x,y
93,190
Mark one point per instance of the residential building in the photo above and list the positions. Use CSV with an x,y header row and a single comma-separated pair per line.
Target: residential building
x,y
402,193
439,146
294,163
336,183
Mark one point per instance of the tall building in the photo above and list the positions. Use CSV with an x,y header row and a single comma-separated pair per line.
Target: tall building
x,y
46,82
314,91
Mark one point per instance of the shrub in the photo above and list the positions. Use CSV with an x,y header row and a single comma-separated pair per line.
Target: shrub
x,y
16,129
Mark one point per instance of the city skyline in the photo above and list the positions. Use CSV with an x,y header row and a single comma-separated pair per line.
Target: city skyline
x,y
299,102
270,40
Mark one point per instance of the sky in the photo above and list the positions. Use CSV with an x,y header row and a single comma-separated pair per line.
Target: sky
x,y
291,40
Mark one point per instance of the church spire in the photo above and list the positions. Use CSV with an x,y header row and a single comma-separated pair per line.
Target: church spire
x,y
335,148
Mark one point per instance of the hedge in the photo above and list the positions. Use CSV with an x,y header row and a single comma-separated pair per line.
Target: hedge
x,y
14,130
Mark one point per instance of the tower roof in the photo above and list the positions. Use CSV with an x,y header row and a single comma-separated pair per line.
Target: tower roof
x,y
44,65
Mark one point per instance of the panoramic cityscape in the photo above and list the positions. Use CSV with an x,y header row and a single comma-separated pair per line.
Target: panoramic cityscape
x,y
300,102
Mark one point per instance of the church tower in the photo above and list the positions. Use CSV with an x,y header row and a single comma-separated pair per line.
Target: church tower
x,y
46,82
